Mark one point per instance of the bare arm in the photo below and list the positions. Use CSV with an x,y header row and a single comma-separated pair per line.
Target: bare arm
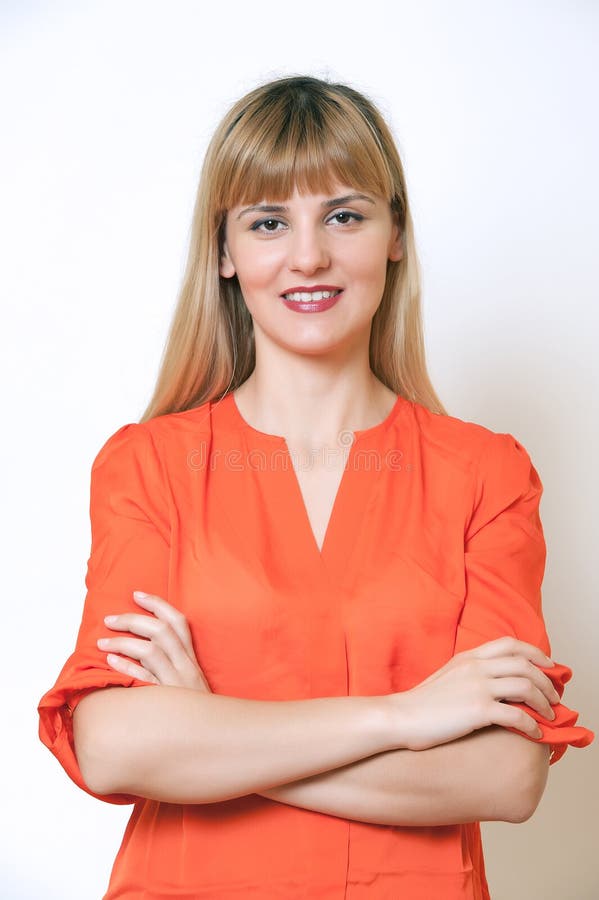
x,y
184,746
215,747
218,747
179,744
491,774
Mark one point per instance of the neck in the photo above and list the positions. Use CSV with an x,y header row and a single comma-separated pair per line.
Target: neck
x,y
310,405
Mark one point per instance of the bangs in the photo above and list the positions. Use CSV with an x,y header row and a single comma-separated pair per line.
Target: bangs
x,y
299,140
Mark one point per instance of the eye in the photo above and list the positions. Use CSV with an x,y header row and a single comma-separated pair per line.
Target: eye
x,y
356,217
257,226
269,225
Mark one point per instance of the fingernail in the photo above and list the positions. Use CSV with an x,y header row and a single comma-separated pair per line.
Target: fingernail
x,y
538,733
103,642
110,620
140,594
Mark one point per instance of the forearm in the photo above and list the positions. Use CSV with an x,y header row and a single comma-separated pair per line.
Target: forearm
x,y
491,774
184,746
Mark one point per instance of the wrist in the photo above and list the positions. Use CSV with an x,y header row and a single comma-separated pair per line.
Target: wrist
x,y
392,722
400,726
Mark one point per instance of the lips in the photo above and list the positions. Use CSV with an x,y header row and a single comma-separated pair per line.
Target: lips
x,y
313,302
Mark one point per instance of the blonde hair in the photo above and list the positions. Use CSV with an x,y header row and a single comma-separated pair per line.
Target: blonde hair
x,y
304,132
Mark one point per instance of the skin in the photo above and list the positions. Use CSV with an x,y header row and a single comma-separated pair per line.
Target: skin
x,y
489,778
318,359
438,754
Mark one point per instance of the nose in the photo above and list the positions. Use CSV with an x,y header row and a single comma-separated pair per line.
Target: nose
x,y
308,250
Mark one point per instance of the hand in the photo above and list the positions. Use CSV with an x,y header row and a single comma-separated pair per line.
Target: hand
x,y
167,655
469,691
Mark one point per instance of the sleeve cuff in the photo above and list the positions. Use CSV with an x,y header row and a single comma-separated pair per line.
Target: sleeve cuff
x,y
56,722
561,731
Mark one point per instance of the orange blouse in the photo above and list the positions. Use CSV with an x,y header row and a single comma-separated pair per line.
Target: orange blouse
x,y
434,546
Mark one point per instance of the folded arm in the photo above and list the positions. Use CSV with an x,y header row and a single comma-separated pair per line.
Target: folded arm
x,y
183,745
491,774
223,747
423,757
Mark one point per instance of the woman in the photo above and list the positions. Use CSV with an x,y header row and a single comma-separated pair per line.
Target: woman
x,y
340,656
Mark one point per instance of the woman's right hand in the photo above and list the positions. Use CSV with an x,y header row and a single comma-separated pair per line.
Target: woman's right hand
x,y
467,693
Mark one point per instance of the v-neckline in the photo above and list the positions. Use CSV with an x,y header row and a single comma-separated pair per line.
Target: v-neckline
x,y
321,550
350,499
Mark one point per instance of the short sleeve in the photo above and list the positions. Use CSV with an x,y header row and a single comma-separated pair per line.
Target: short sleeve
x,y
505,553
130,545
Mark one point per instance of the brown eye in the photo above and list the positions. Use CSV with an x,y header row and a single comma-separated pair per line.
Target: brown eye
x,y
348,217
257,226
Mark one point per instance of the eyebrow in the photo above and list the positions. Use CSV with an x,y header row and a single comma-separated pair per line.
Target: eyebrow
x,y
326,204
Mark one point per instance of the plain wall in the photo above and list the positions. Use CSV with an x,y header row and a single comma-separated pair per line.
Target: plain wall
x,y
106,110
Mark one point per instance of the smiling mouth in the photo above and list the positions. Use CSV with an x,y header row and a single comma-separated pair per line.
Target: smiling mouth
x,y
309,296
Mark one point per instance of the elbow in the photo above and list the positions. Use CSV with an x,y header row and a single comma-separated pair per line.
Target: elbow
x,y
528,784
91,741
95,776
523,807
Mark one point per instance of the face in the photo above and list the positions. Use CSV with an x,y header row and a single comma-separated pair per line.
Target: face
x,y
338,242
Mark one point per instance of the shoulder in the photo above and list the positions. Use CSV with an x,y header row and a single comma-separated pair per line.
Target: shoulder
x,y
474,449
161,430
450,432
148,443
456,439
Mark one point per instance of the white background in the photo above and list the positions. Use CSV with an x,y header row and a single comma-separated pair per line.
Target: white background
x,y
106,111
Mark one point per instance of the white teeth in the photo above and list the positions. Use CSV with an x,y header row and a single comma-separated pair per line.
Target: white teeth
x,y
308,297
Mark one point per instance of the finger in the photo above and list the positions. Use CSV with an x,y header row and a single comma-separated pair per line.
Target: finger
x,y
521,690
518,666
511,646
157,630
145,626
168,613
127,667
161,633
514,717
148,653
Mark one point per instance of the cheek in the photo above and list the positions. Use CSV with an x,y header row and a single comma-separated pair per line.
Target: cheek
x,y
366,258
367,268
257,270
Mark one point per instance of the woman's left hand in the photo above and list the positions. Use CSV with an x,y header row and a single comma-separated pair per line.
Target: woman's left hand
x,y
165,652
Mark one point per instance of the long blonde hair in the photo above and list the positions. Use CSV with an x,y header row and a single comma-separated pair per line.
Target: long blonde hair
x,y
304,132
